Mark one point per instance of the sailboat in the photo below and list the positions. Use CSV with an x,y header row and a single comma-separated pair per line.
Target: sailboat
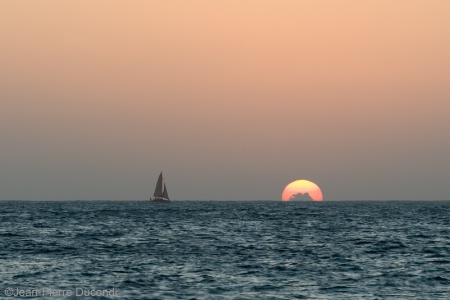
x,y
160,194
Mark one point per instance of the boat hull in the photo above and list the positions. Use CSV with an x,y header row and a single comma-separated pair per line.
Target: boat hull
x,y
159,199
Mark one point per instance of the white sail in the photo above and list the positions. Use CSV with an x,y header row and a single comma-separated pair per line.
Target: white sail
x,y
165,194
159,187
160,194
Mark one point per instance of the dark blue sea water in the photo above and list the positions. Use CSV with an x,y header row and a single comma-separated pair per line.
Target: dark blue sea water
x,y
225,250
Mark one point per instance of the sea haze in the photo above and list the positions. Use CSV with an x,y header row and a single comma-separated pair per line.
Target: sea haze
x,y
229,250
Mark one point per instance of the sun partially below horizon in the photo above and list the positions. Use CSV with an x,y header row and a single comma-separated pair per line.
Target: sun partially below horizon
x,y
302,187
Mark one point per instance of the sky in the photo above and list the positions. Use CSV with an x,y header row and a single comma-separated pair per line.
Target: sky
x,y
232,100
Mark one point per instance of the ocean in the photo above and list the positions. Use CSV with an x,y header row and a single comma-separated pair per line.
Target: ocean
x,y
225,250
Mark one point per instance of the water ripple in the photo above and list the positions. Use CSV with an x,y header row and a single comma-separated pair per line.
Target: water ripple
x,y
229,250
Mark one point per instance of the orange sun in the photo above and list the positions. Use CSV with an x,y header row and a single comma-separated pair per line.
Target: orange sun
x,y
302,190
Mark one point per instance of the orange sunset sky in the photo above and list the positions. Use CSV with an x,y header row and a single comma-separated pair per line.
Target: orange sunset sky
x,y
230,99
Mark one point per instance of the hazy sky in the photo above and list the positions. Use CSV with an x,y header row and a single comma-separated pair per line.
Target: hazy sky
x,y
231,99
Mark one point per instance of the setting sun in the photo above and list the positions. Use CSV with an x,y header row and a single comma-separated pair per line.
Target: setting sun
x,y
302,190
